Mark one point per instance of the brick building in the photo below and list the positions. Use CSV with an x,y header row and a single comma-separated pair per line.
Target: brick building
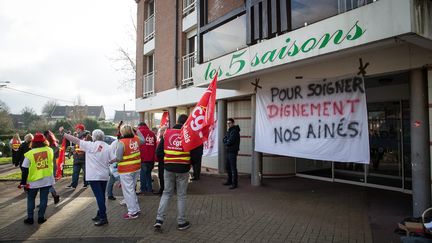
x,y
181,45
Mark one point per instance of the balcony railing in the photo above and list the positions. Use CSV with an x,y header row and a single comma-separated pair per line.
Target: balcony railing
x,y
148,84
188,6
189,62
149,28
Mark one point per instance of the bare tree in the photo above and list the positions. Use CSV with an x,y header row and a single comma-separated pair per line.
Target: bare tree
x,y
6,124
49,107
125,62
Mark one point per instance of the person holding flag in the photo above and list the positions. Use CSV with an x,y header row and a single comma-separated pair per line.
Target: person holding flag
x,y
175,148
53,144
177,164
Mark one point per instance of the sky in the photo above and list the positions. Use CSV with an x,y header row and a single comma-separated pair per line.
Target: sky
x,y
63,50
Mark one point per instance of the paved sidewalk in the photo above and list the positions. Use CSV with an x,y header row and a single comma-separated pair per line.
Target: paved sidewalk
x,y
283,210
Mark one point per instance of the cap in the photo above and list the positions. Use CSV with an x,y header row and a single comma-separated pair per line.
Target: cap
x,y
39,137
80,126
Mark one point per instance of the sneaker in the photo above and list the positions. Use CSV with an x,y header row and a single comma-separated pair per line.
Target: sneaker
x,y
130,216
232,187
158,224
56,199
183,226
70,187
85,186
96,218
111,198
123,202
29,221
41,220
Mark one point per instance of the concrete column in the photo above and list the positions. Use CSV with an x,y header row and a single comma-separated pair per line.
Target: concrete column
x,y
222,119
256,173
172,116
141,116
420,148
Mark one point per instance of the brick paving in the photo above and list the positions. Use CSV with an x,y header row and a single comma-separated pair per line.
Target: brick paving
x,y
282,210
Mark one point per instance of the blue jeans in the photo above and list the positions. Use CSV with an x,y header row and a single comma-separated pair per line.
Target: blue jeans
x,y
98,188
145,176
110,185
31,198
180,181
75,174
231,168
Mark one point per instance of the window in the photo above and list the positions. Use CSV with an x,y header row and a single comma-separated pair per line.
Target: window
x,y
308,12
224,39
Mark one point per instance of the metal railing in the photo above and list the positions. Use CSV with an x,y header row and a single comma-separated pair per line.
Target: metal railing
x,y
148,84
149,28
188,6
189,62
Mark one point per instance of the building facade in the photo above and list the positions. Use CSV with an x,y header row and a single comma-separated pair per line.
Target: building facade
x,y
251,44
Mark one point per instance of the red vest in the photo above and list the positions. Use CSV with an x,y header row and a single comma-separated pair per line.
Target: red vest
x,y
148,148
173,149
131,156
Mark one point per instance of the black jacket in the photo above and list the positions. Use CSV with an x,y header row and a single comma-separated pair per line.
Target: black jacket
x,y
23,148
232,139
176,168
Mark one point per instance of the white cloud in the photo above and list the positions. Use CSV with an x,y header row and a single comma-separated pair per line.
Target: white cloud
x,y
61,49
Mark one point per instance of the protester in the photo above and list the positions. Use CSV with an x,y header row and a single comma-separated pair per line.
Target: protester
x,y
15,143
176,174
98,156
232,145
129,165
147,152
24,148
114,175
37,176
53,144
159,136
78,158
196,158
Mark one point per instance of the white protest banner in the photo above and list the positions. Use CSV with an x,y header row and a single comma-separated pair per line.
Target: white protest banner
x,y
211,145
323,120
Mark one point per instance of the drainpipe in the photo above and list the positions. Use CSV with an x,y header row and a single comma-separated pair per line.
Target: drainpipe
x,y
176,45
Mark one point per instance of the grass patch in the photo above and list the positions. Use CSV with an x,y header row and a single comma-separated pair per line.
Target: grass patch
x,y
5,160
12,176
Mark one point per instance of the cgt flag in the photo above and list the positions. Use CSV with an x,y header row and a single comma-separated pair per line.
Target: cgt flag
x,y
60,160
165,119
197,127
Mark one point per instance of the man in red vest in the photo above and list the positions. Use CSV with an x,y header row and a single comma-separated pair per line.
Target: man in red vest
x,y
177,165
147,153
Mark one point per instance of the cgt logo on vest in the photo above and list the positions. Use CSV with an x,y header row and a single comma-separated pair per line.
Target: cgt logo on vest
x,y
133,145
149,140
174,140
41,159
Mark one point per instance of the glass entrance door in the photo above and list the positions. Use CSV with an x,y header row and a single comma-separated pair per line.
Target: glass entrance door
x,y
390,151
386,147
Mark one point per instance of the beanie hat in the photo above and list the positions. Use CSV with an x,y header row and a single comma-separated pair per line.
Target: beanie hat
x,y
39,137
80,126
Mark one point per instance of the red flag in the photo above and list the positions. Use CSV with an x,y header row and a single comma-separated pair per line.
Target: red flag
x,y
197,127
165,119
60,160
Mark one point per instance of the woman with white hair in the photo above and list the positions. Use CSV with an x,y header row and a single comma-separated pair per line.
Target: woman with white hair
x,y
98,155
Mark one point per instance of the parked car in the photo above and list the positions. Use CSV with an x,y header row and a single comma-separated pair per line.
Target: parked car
x,y
109,139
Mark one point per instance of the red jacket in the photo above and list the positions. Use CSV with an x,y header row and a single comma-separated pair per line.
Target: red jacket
x,y
147,149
